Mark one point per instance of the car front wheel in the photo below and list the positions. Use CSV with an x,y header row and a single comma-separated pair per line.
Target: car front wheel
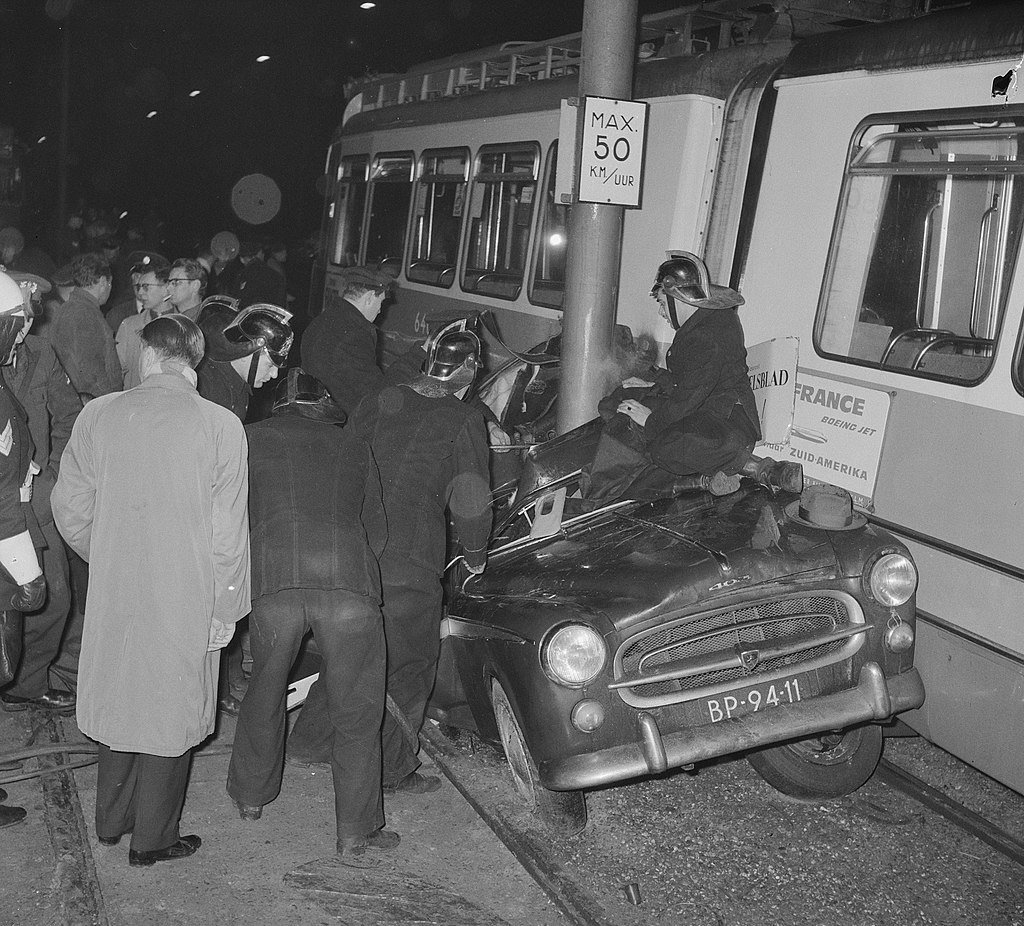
x,y
563,812
822,767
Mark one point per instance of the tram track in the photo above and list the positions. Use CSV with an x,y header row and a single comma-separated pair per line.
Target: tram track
x,y
581,908
955,812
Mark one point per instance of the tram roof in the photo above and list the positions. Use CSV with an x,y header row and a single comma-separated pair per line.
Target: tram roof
x,y
713,75
975,33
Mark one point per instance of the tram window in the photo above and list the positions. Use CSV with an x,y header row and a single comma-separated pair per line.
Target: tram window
x,y
547,287
348,206
929,225
390,195
437,216
500,216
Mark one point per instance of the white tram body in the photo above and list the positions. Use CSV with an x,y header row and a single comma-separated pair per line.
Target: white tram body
x,y
861,190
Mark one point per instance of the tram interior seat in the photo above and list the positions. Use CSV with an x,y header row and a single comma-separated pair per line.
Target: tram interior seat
x,y
938,352
493,283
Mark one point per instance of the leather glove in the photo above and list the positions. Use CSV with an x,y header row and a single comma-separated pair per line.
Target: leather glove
x,y
31,596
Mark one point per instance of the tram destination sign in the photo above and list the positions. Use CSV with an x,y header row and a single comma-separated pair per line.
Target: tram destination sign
x,y
612,151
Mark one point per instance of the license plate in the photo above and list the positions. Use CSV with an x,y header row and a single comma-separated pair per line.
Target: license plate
x,y
758,698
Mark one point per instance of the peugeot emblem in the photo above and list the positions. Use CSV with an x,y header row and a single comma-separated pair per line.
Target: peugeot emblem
x,y
750,658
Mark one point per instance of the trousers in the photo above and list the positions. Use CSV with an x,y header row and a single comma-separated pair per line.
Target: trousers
x,y
141,794
349,633
44,629
412,625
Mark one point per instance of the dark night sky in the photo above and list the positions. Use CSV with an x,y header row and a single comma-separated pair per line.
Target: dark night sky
x,y
131,56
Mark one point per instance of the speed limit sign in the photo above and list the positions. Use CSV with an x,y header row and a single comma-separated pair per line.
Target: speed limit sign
x,y
612,151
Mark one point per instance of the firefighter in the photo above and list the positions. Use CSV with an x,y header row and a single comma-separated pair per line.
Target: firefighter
x,y
432,452
699,415
22,586
244,349
318,526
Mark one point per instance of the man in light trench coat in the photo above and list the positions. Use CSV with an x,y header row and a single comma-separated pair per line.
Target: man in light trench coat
x,y
153,492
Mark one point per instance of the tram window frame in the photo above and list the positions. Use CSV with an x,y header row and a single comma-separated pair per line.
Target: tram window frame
x,y
542,286
497,222
941,319
430,198
347,209
387,222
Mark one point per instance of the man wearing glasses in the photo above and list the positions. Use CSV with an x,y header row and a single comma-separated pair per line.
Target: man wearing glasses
x,y
153,294
126,303
186,285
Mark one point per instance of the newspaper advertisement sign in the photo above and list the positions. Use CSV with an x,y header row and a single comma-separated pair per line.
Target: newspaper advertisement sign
x,y
772,368
837,434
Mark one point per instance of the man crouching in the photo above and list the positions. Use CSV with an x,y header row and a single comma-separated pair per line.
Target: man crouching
x,y
317,527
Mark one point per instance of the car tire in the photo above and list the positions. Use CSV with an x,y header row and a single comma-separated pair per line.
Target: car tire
x,y
563,812
823,767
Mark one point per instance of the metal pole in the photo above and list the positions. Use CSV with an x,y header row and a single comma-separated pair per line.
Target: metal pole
x,y
595,230
63,137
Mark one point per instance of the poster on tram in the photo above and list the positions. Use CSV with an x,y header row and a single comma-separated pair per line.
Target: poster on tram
x,y
837,434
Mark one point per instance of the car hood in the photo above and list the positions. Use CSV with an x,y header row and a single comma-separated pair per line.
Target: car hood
x,y
645,559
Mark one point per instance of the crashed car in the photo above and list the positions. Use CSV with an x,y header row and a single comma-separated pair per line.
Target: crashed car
x,y
606,643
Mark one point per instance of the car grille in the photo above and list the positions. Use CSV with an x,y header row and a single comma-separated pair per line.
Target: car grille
x,y
801,625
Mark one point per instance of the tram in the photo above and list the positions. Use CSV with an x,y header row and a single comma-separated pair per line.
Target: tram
x,y
858,187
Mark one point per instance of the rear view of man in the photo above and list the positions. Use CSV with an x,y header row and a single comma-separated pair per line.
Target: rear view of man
x,y
153,493
80,335
432,452
318,527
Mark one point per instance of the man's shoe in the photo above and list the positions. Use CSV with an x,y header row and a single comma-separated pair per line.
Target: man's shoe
x,y
3,795
249,811
229,704
183,848
356,846
108,840
415,783
50,700
11,815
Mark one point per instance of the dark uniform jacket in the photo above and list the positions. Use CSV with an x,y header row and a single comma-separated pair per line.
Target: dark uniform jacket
x,y
339,348
85,346
315,511
432,454
219,382
51,404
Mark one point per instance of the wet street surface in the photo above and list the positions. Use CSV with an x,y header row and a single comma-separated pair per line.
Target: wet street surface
x,y
715,848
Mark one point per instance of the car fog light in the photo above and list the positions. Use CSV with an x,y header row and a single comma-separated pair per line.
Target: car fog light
x,y
587,716
574,655
899,637
893,580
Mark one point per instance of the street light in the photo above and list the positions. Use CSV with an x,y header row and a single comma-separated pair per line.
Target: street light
x,y
151,114
194,93
41,139
262,58
367,6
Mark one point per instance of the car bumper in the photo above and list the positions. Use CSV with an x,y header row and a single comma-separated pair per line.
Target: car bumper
x,y
874,698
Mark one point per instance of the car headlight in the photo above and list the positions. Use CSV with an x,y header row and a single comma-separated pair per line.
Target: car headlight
x,y
574,655
893,579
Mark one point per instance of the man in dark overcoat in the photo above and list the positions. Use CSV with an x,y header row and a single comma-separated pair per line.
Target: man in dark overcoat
x,y
432,452
317,528
339,347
